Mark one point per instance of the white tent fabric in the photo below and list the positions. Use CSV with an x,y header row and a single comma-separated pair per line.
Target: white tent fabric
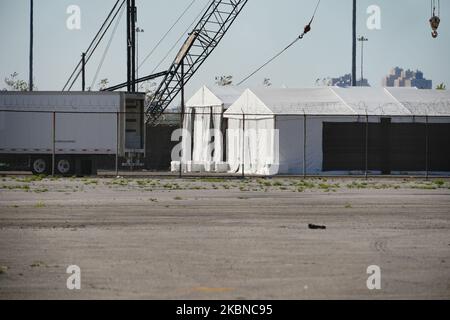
x,y
298,115
253,149
187,137
216,133
360,101
433,103
205,111
208,96
272,101
371,101
202,125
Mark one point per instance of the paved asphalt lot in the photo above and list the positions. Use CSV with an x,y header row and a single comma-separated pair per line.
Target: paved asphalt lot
x,y
224,239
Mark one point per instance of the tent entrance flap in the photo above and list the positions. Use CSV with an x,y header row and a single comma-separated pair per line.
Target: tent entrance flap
x,y
253,146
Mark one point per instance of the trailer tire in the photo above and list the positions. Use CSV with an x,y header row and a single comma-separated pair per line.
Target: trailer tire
x,y
64,166
40,165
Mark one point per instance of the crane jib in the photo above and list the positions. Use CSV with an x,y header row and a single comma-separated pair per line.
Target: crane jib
x,y
202,41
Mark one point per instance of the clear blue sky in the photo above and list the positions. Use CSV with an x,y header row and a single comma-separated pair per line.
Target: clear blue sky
x,y
264,27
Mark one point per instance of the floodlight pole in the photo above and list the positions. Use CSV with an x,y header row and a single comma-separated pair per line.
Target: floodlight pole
x,y
362,39
138,30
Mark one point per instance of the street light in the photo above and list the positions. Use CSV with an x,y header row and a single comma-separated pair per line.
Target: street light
x,y
362,39
138,30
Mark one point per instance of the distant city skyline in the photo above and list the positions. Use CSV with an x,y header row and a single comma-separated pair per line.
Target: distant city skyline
x,y
399,77
343,81
263,28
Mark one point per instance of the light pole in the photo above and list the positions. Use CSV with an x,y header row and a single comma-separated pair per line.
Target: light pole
x,y
138,30
362,39
354,45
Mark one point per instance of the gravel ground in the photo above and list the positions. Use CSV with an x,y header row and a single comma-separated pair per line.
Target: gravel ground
x,y
224,239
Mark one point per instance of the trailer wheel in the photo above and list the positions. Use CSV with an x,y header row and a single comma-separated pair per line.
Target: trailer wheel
x,y
40,166
64,166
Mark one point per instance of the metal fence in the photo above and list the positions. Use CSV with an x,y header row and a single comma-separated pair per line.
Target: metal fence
x,y
306,144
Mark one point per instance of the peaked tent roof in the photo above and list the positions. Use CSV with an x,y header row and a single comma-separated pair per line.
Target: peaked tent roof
x,y
290,101
343,101
371,101
215,96
423,102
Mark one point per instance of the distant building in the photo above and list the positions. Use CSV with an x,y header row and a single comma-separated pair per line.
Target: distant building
x,y
406,78
344,81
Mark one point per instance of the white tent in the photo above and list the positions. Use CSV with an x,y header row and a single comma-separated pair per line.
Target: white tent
x,y
202,136
280,131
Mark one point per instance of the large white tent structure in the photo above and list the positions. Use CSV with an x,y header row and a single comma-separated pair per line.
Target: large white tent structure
x,y
203,127
339,130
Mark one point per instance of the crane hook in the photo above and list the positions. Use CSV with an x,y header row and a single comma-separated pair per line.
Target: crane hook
x,y
435,20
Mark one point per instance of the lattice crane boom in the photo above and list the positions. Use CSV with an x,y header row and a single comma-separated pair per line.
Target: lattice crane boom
x,y
202,41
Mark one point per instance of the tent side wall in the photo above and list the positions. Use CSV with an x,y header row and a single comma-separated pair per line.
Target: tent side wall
x,y
395,145
291,144
382,135
315,143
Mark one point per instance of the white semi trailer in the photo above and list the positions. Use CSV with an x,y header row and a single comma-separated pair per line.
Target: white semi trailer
x,y
70,130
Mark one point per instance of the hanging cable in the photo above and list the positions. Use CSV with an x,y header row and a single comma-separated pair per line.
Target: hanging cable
x,y
102,60
166,34
434,4
94,43
305,31
89,55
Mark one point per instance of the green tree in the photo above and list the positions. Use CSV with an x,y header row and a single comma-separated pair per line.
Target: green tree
x,y
224,81
103,84
13,83
441,87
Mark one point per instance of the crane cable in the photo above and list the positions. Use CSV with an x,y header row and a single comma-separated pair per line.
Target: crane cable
x,y
88,56
166,34
92,42
433,7
300,37
102,60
